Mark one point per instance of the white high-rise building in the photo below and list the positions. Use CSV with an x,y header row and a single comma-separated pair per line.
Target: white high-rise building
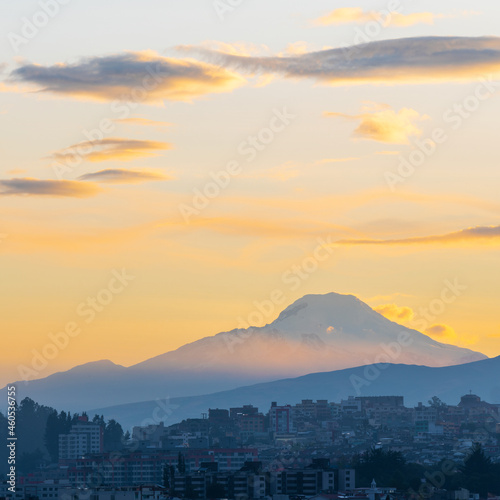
x,y
83,438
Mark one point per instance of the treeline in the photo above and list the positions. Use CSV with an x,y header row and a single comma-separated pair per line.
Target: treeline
x,y
389,468
38,428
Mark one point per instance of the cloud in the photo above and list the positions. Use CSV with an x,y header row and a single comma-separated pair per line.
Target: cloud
x,y
445,333
356,15
133,76
387,153
396,313
36,187
381,123
142,121
438,331
483,234
415,60
122,176
109,149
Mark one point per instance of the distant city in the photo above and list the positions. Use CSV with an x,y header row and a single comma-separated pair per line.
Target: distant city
x,y
361,448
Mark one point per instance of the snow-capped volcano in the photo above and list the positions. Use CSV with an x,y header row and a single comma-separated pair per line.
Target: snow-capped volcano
x,y
317,333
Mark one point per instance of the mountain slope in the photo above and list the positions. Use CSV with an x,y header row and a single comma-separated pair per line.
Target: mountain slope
x,y
415,383
316,333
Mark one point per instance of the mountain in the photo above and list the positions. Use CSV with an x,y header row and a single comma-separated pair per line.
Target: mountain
x,y
415,383
316,333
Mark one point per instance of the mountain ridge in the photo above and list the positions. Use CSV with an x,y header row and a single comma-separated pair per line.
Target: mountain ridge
x,y
416,383
316,333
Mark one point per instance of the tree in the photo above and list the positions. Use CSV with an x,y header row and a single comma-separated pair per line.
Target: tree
x,y
30,461
181,463
51,436
99,420
478,471
435,402
113,436
386,467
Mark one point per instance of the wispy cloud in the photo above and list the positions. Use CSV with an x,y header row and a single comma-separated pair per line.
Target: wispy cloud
x,y
356,15
132,76
36,187
471,234
416,60
122,176
387,153
381,123
142,121
109,149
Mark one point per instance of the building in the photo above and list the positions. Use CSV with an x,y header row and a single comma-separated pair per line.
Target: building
x,y
346,480
319,410
84,437
234,413
152,434
350,405
280,420
133,493
203,484
425,414
306,482
218,417
46,490
252,423
146,466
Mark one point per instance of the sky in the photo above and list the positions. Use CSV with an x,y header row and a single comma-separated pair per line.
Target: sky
x,y
170,168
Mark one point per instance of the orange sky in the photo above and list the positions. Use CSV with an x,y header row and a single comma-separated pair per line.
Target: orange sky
x,y
210,164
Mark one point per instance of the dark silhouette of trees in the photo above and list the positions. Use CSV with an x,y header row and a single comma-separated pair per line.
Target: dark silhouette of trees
x,y
388,468
479,474
113,436
38,428
181,463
